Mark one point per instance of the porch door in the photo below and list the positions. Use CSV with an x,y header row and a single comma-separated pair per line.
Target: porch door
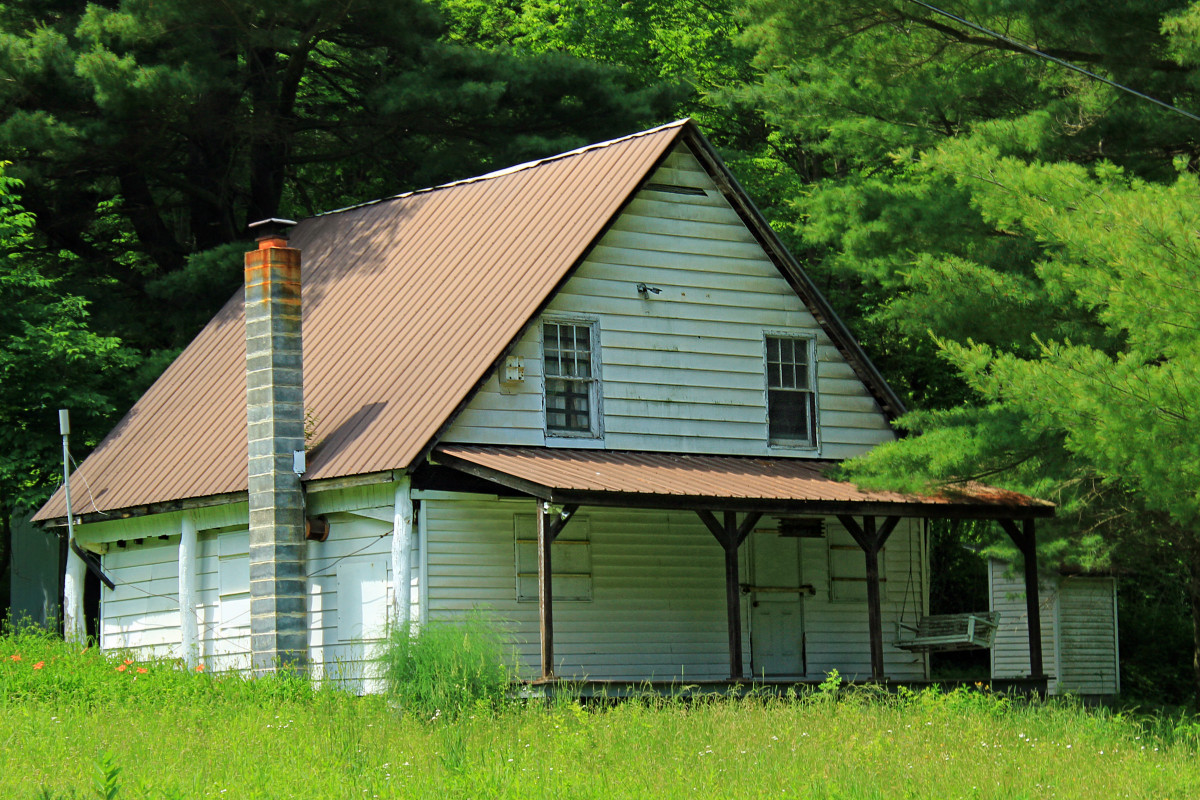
x,y
776,607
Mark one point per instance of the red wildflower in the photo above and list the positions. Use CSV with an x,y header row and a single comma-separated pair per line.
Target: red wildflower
x,y
16,656
129,661
142,671
39,665
122,668
199,668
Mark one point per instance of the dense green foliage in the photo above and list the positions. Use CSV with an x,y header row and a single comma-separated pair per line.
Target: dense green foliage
x,y
148,135
1019,241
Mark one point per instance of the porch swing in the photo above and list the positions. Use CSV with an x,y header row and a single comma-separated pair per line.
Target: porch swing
x,y
943,633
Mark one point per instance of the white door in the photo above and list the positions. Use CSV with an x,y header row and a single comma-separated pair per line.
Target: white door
x,y
776,607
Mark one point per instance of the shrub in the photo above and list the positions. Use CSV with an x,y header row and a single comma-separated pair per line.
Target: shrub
x,y
447,666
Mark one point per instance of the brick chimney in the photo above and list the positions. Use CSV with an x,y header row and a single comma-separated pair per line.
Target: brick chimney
x,y
275,432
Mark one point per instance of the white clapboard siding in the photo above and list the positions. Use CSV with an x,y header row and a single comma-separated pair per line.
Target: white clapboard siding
x,y
1079,631
1087,637
657,608
1010,650
350,591
836,631
141,614
681,370
350,596
223,582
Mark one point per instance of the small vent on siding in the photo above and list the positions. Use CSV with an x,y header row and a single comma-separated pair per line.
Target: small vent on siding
x,y
801,527
672,188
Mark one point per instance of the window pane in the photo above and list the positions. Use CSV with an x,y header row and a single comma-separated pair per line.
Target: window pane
x,y
789,415
568,377
568,406
790,401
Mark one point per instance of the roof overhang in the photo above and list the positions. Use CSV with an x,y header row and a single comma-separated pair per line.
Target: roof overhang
x,y
793,486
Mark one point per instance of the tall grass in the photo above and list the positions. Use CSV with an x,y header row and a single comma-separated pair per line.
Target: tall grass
x,y
447,666
189,735
38,668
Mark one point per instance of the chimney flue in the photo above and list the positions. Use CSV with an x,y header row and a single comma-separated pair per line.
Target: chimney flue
x,y
275,431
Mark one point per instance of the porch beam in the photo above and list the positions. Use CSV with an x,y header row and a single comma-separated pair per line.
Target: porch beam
x,y
1026,541
714,527
871,537
747,526
559,521
885,530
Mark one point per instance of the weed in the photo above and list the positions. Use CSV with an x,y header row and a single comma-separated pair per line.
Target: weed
x,y
105,781
447,667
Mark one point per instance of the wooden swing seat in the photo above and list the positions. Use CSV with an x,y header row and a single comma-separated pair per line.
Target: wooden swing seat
x,y
946,632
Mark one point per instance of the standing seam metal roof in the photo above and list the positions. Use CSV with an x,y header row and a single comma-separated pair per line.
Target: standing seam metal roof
x,y
595,473
407,304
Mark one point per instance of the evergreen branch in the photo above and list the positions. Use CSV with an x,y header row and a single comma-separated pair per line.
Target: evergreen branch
x,y
1065,54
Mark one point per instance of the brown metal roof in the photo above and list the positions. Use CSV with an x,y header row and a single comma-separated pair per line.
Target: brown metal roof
x,y
782,485
407,304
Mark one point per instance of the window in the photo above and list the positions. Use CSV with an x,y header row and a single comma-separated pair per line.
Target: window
x,y
570,558
791,401
848,573
569,351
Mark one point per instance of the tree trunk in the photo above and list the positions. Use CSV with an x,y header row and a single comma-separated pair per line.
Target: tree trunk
x,y
1194,597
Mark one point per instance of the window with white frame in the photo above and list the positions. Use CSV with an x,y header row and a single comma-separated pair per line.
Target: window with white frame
x,y
791,398
569,358
570,559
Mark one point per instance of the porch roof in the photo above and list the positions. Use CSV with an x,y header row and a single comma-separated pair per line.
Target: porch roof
x,y
641,479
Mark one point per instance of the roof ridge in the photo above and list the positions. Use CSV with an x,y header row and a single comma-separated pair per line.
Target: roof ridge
x,y
509,170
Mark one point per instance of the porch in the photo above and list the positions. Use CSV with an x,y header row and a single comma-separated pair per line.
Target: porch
x,y
730,496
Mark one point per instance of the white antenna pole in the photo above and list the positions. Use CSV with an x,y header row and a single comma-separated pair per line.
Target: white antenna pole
x,y
74,622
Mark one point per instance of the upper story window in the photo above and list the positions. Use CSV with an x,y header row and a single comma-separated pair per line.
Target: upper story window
x,y
791,397
569,352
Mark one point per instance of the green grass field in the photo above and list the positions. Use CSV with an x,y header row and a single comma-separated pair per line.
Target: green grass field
x,y
92,725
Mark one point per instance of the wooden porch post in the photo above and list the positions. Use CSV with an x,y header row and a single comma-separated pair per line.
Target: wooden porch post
x,y
549,525
733,596
545,594
1026,541
730,536
871,540
874,609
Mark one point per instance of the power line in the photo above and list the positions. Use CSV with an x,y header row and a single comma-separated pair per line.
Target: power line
x,y
1034,51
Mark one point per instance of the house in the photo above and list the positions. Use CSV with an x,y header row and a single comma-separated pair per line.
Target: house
x,y
593,394
1078,618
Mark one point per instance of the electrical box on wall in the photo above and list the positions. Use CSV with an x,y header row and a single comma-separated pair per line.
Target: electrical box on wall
x,y
512,374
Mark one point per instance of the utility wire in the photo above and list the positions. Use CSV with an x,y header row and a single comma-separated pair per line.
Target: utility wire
x,y
1034,51
86,485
